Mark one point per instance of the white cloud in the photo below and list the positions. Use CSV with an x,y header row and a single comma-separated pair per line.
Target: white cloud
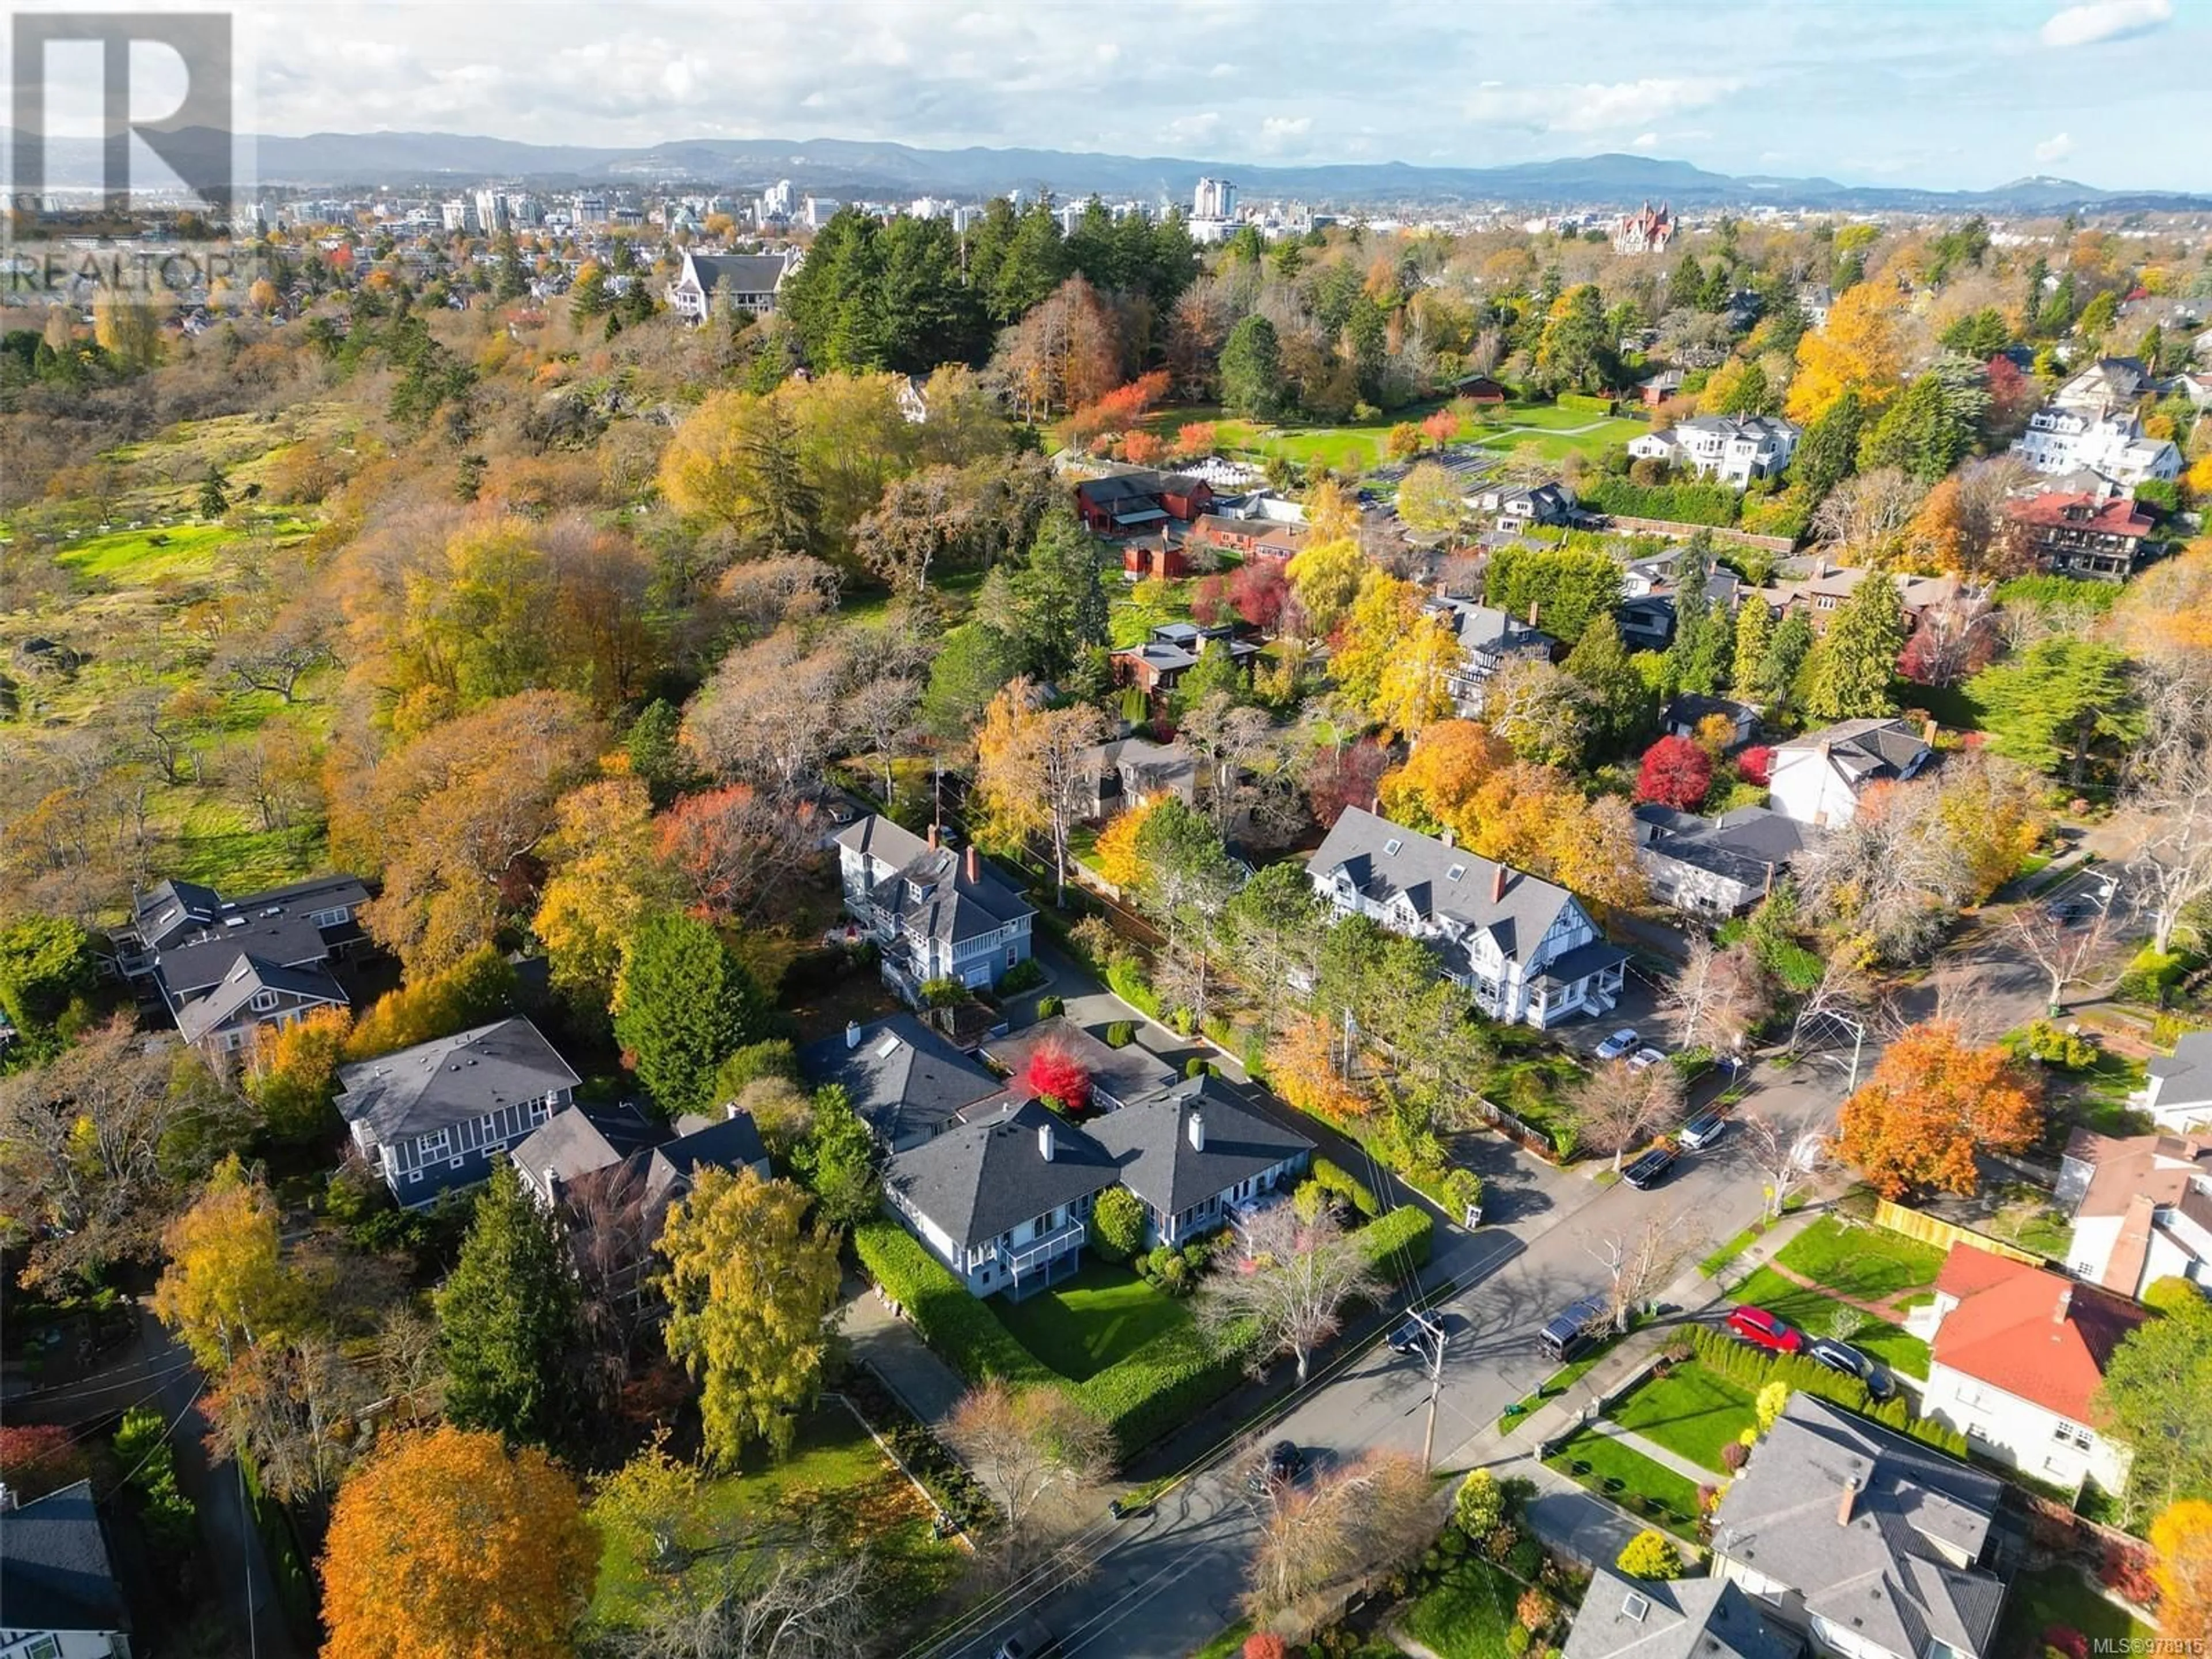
x,y
2054,150
1195,129
1593,107
1644,141
2105,19
1278,131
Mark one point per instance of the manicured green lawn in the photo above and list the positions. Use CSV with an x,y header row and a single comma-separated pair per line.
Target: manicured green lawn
x,y
835,1472
159,550
1869,1264
1086,1323
1227,1645
1811,1311
1469,1614
1556,1384
2059,1595
1630,1480
1714,1264
1690,1412
1605,433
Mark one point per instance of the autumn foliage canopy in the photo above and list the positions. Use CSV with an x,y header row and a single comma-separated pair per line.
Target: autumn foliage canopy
x,y
1932,1102
1675,773
1054,1072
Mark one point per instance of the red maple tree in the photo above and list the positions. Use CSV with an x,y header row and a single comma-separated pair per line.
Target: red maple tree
x,y
1258,590
1675,773
1054,1072
1756,764
1142,448
1209,598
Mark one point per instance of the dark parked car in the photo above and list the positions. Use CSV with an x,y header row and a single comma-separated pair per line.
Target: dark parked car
x,y
1411,1337
1842,1356
1703,1130
1763,1330
1282,1464
1650,1169
1572,1329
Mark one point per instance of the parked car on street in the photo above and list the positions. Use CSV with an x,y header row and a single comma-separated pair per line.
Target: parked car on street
x,y
1281,1465
1031,1641
1573,1328
1763,1330
1650,1169
1618,1044
1703,1130
1644,1058
1842,1356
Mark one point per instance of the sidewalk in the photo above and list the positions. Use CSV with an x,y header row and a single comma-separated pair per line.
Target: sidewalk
x,y
1697,1474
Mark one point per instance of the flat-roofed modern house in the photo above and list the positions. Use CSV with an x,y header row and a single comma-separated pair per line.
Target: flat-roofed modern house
x,y
1525,948
432,1117
936,914
1871,1544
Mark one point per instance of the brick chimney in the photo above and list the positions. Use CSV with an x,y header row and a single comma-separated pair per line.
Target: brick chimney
x,y
1497,882
975,865
1846,1500
1044,1140
2065,1304
932,837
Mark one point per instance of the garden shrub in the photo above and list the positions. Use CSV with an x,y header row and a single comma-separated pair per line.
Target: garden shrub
x,y
1024,975
1650,1554
1120,1034
1397,1240
2168,1029
1517,1640
1128,983
942,993
2152,976
1480,1504
1337,1181
1117,1223
1196,1067
2067,1050
1050,1008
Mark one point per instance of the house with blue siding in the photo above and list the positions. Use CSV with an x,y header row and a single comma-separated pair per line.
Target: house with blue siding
x,y
431,1118
936,914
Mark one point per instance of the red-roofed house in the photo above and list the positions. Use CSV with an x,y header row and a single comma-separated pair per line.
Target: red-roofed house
x,y
2081,535
2019,1354
2142,1209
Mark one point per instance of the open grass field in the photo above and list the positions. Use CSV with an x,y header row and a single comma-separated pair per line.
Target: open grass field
x,y
1470,1612
1597,434
835,1472
1867,1264
1810,1310
1357,447
1626,1476
1690,1412
1084,1324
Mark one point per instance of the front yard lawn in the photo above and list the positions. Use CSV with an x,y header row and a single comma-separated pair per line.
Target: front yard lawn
x,y
1084,1324
2062,1596
1630,1480
835,1472
1814,1313
1558,1383
1865,1263
1690,1412
1470,1612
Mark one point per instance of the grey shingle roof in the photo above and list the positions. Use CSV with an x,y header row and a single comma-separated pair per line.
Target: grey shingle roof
x,y
929,889
744,273
730,1142
2186,1073
1745,846
1626,1618
979,1180
1884,1576
285,940
1484,628
1866,749
1421,868
433,1086
902,1078
579,1140
1150,1141
55,1574
248,975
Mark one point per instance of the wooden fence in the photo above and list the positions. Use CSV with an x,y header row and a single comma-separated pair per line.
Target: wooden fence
x,y
1930,1229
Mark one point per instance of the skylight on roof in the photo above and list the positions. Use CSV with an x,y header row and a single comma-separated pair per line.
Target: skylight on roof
x,y
1391,846
1456,873
1634,1605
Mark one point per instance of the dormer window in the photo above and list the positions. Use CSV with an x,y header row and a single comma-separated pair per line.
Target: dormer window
x,y
265,1001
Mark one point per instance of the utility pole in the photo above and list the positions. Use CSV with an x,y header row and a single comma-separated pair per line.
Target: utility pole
x,y
1435,1333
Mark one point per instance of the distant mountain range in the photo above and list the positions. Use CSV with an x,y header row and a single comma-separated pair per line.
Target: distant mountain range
x,y
844,168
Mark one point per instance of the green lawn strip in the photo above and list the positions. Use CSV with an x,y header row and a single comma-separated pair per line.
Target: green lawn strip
x,y
1083,1324
1690,1412
2059,1595
1716,1264
1469,1614
1556,1384
1227,1645
1605,433
1628,1477
1867,1264
834,1470
1812,1312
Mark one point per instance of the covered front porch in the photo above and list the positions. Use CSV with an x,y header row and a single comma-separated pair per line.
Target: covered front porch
x,y
1587,980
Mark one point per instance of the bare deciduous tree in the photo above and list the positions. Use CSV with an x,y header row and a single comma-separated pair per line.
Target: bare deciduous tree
x,y
772,1596
1619,1106
1344,1522
1892,875
2169,797
2066,948
1293,1288
1718,996
770,714
1035,1452
1639,1262
1787,1154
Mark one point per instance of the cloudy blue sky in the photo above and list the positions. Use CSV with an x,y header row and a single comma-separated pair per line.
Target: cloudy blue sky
x,y
1943,92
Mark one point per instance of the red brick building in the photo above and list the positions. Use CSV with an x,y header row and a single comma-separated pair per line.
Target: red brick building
x,y
1254,538
1122,502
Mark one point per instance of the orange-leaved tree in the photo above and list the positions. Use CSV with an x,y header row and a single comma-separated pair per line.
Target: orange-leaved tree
x,y
1932,1102
1858,351
447,1546
2182,1539
1436,785
1114,854
1303,1063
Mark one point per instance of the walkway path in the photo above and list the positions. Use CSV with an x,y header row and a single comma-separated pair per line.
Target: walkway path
x,y
1697,1473
889,1346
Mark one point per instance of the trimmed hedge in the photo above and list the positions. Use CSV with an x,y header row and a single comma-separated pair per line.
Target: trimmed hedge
x,y
1681,503
1333,1178
958,1326
1128,984
1583,400
1753,1369
1403,1235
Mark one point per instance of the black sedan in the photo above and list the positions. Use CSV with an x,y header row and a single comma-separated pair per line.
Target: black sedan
x,y
1842,1356
1283,1464
1651,1169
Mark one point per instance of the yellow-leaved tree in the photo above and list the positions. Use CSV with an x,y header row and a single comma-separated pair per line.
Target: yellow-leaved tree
x,y
1436,788
1415,692
1859,350
225,1288
447,1546
1375,627
605,875
750,1289
1325,578
1115,855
